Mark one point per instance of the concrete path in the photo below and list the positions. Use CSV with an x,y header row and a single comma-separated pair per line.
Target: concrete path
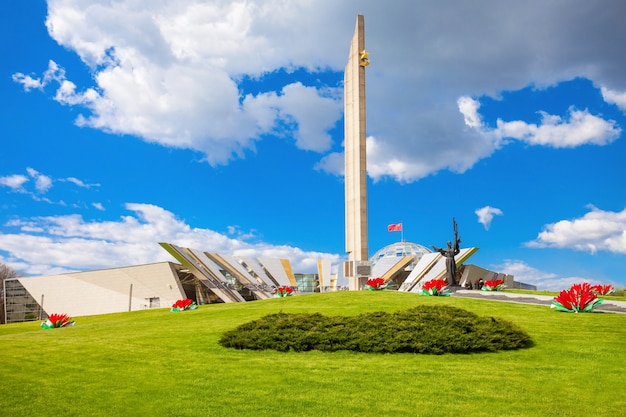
x,y
607,305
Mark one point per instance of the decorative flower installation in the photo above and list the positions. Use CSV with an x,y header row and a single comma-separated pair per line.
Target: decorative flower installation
x,y
283,292
55,321
435,287
579,298
184,305
603,289
493,285
375,284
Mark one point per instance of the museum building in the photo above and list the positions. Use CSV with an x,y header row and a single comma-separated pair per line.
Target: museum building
x,y
209,277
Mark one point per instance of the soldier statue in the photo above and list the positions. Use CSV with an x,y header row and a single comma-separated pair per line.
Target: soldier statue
x,y
450,252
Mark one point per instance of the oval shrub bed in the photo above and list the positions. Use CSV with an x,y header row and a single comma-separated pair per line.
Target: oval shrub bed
x,y
421,329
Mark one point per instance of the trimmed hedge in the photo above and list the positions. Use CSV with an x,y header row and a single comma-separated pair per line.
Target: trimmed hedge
x,y
421,329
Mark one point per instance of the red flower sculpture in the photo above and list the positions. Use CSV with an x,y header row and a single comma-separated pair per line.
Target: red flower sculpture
x,y
57,320
493,285
375,284
182,305
283,292
603,289
435,287
580,297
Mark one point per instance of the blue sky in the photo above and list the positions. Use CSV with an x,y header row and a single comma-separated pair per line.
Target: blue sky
x,y
218,125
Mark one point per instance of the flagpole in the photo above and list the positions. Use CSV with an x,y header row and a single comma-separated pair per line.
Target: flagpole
x,y
402,231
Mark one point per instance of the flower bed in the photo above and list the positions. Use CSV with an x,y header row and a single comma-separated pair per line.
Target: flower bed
x,y
283,292
375,284
435,287
493,285
55,321
184,305
578,298
603,289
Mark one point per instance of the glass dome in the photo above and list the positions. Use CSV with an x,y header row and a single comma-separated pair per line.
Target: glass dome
x,y
400,249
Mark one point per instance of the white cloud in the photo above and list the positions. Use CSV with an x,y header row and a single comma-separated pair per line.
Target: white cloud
x,y
485,215
236,232
54,244
53,73
388,159
314,112
42,182
79,183
170,73
582,128
40,185
616,97
333,163
545,281
469,109
597,230
27,81
383,160
15,182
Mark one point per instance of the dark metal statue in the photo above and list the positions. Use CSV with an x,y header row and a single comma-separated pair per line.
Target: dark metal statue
x,y
450,252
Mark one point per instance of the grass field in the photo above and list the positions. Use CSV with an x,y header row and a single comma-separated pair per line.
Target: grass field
x,y
158,363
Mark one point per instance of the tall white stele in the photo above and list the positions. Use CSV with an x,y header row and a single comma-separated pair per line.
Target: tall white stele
x,y
355,159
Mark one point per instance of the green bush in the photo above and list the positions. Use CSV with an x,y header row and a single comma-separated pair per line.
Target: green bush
x,y
421,329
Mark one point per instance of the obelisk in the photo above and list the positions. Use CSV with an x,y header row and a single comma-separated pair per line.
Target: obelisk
x,y
355,158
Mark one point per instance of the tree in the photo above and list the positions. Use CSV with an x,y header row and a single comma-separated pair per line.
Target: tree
x,y
6,272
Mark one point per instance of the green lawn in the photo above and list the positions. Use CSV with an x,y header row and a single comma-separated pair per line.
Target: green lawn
x,y
157,363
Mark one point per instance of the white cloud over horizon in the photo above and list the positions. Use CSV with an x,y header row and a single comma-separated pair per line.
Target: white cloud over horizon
x,y
544,281
598,230
171,73
47,245
66,243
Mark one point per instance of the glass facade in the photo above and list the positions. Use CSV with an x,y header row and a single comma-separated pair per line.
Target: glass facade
x,y
19,304
400,249
307,283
